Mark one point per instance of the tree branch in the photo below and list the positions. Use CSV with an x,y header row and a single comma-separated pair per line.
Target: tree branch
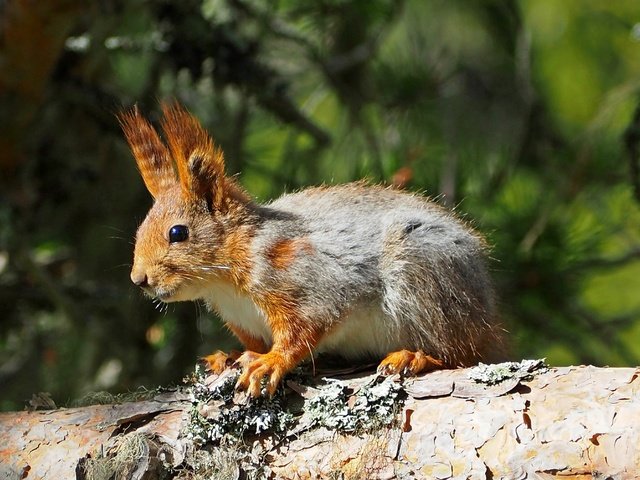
x,y
569,421
605,263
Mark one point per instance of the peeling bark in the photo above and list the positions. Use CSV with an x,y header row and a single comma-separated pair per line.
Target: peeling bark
x,y
570,422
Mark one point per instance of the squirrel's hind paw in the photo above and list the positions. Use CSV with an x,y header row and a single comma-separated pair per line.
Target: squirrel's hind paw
x,y
219,361
408,363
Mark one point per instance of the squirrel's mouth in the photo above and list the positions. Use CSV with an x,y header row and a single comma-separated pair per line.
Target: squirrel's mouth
x,y
166,296
162,295
179,293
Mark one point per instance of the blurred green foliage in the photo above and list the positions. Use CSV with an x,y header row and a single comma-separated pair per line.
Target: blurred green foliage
x,y
518,113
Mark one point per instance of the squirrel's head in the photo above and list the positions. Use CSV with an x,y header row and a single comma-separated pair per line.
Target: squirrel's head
x,y
178,244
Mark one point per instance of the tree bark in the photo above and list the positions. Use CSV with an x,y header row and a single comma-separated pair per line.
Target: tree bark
x,y
570,422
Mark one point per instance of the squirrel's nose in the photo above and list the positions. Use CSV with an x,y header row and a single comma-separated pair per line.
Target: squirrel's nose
x,y
140,279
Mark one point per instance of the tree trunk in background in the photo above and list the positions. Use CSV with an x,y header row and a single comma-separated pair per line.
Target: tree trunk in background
x,y
573,422
32,38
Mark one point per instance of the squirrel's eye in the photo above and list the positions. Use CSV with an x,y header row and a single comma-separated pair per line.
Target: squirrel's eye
x,y
178,233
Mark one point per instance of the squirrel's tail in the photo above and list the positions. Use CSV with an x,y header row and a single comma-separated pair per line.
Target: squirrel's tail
x,y
440,296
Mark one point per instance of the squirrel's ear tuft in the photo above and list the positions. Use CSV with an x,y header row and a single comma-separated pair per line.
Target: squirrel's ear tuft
x,y
151,154
199,161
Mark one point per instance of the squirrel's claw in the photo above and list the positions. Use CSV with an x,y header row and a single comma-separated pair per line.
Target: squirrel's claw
x,y
408,363
256,367
219,361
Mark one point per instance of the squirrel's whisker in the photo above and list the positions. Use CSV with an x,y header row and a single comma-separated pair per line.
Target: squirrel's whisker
x,y
215,267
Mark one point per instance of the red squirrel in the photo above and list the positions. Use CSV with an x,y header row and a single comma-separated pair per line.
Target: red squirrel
x,y
360,271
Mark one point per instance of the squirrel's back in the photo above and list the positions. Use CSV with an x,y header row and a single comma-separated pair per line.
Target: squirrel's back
x,y
358,216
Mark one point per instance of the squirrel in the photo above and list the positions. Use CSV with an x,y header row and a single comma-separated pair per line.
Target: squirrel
x,y
356,270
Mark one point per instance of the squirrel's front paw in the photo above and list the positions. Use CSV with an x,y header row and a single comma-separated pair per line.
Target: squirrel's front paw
x,y
408,363
256,366
218,361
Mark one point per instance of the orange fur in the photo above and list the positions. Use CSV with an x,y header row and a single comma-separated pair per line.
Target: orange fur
x,y
235,251
293,340
284,321
200,163
406,362
218,361
151,154
283,252
249,341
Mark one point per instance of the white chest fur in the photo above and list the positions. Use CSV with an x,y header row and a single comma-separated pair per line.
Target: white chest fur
x,y
238,309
